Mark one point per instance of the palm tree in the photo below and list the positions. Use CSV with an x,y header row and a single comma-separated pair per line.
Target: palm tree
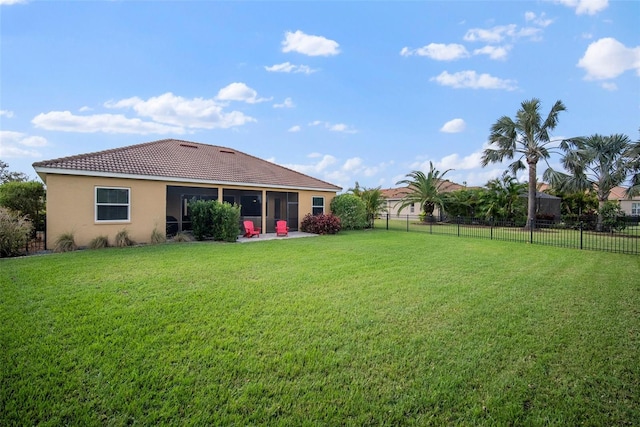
x,y
526,137
502,196
633,154
596,163
373,199
424,189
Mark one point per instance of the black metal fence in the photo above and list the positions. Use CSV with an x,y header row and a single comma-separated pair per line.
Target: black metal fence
x,y
622,237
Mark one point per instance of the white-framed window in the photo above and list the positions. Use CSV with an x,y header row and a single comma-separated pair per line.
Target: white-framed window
x,y
317,205
635,209
113,204
412,208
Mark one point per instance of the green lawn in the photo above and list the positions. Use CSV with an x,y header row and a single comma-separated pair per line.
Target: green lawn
x,y
361,328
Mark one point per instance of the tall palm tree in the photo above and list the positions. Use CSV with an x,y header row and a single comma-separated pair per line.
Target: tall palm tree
x,y
424,189
596,163
527,137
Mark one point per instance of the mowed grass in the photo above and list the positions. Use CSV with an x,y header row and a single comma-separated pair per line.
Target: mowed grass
x,y
361,328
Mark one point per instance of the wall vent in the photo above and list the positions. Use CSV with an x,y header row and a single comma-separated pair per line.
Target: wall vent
x,y
189,145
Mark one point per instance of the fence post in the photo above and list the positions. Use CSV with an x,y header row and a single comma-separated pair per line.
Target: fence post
x,y
458,221
407,222
532,224
387,220
580,234
430,224
491,227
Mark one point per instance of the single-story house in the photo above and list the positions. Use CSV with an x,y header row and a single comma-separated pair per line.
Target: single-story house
x,y
148,186
395,195
630,206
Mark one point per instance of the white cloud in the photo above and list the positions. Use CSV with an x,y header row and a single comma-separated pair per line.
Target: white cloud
x,y
11,2
338,127
108,123
607,58
18,144
472,80
352,164
309,45
609,86
438,51
85,109
6,113
540,20
239,92
287,67
318,167
453,161
494,52
589,7
454,126
288,103
499,33
181,113
295,128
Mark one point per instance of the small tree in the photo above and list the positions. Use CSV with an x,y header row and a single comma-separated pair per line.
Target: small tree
x,y
351,211
7,176
424,189
27,198
14,232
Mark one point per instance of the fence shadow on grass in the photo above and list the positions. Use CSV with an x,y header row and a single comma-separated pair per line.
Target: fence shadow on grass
x,y
624,238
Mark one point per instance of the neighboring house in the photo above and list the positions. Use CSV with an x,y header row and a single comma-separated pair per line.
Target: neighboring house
x,y
630,206
148,186
395,195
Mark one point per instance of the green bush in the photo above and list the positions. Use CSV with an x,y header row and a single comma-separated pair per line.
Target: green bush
x,y
65,243
212,219
612,217
14,232
99,242
351,210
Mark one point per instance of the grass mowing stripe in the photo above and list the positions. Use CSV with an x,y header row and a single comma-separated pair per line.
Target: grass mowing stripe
x,y
361,328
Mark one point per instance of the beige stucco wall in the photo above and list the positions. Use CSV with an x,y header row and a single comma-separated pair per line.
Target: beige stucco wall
x,y
625,204
71,206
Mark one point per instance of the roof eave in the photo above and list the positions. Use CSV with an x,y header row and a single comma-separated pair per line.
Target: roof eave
x,y
43,171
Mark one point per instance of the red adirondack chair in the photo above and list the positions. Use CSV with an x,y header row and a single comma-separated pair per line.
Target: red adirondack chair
x,y
281,228
250,230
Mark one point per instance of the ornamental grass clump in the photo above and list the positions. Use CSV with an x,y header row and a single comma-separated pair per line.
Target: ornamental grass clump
x,y
65,243
157,237
123,240
14,232
99,242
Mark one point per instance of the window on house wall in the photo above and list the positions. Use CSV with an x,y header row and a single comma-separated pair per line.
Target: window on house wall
x,y
635,209
113,204
412,208
317,205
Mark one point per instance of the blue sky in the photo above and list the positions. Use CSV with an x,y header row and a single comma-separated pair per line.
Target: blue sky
x,y
343,91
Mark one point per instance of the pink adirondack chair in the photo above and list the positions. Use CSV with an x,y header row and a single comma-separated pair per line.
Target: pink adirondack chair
x,y
281,228
250,230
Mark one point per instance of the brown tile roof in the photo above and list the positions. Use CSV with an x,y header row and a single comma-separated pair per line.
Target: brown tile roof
x,y
398,193
183,160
